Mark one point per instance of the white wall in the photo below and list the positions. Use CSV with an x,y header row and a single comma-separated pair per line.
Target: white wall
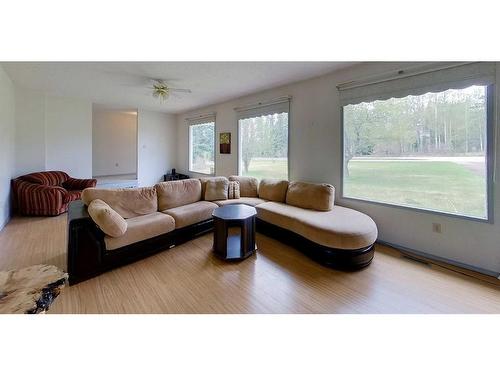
x,y
68,136
157,137
315,155
30,132
114,142
7,136
53,133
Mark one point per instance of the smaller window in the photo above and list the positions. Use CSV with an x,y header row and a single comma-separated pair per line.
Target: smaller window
x,y
202,147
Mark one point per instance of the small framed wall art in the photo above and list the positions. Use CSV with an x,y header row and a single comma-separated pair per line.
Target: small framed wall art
x,y
225,143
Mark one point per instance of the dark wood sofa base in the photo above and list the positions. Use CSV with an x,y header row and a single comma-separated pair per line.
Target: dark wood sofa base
x,y
87,254
346,260
88,257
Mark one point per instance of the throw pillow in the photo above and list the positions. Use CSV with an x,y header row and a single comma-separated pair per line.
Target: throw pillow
x,y
234,190
216,190
107,219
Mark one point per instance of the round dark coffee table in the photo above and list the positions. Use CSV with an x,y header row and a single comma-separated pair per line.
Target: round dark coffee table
x,y
234,246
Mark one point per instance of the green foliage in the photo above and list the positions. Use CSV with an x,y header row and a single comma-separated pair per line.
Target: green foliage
x,y
202,147
263,137
449,123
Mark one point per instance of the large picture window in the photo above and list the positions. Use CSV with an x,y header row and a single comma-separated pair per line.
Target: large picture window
x,y
263,142
426,151
202,146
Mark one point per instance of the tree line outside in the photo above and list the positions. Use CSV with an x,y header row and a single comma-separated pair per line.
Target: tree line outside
x,y
426,151
202,147
264,145
449,123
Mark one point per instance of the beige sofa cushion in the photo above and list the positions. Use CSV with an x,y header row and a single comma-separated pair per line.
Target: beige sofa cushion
x,y
178,193
273,189
127,203
319,197
248,185
233,191
141,228
340,228
191,213
106,218
204,180
216,190
249,201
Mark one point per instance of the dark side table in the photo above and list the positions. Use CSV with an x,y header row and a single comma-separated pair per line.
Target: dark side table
x,y
234,246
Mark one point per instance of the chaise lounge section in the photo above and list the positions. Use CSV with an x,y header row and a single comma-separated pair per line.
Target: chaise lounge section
x,y
109,228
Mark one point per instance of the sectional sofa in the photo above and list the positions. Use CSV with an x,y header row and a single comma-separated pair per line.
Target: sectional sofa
x,y
108,228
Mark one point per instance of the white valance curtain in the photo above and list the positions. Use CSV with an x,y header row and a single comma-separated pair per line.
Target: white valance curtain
x,y
433,77
201,119
279,105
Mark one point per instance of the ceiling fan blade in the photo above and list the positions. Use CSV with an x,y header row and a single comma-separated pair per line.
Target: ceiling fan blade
x,y
180,90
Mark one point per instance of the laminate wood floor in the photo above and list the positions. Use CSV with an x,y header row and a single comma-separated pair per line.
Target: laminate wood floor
x,y
278,279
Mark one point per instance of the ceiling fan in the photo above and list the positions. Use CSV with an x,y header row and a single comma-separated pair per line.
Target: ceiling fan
x,y
162,90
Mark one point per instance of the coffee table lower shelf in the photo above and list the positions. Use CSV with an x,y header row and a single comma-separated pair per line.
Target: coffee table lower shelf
x,y
234,251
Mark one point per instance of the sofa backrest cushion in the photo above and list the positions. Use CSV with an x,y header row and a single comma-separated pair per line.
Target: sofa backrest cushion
x,y
273,189
318,197
126,202
248,185
204,180
178,193
50,178
233,191
107,219
216,190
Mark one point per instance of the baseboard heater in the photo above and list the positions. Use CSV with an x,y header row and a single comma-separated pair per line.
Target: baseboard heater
x,y
411,253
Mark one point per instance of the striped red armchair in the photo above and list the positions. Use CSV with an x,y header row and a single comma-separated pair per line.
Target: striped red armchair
x,y
47,193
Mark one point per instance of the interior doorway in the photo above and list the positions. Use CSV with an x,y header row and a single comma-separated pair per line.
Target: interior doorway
x,y
114,146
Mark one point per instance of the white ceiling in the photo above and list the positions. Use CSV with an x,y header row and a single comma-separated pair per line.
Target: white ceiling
x,y
124,84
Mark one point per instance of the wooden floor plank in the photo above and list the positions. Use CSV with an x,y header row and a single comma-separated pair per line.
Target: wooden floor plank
x,y
278,279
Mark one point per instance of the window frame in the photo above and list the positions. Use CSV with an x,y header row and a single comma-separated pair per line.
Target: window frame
x,y
490,163
190,148
238,153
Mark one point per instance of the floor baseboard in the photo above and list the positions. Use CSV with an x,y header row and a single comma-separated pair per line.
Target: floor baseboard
x,y
489,276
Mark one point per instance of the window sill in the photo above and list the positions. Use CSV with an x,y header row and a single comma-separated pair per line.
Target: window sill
x,y
488,220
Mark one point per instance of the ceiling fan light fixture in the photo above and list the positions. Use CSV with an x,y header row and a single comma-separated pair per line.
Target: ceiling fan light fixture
x,y
161,91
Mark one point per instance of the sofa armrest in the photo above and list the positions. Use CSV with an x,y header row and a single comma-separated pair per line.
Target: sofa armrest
x,y
79,184
32,199
85,244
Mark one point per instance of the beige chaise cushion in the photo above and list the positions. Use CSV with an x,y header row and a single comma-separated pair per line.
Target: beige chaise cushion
x,y
204,180
273,189
127,203
191,213
106,218
178,193
141,228
248,185
216,190
309,195
249,201
340,228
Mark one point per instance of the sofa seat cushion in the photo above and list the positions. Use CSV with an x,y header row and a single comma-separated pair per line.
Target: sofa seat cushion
x,y
249,201
340,228
73,195
191,213
141,228
127,202
178,193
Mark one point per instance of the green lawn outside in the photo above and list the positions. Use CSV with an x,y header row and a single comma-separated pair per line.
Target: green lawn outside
x,y
437,185
268,168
